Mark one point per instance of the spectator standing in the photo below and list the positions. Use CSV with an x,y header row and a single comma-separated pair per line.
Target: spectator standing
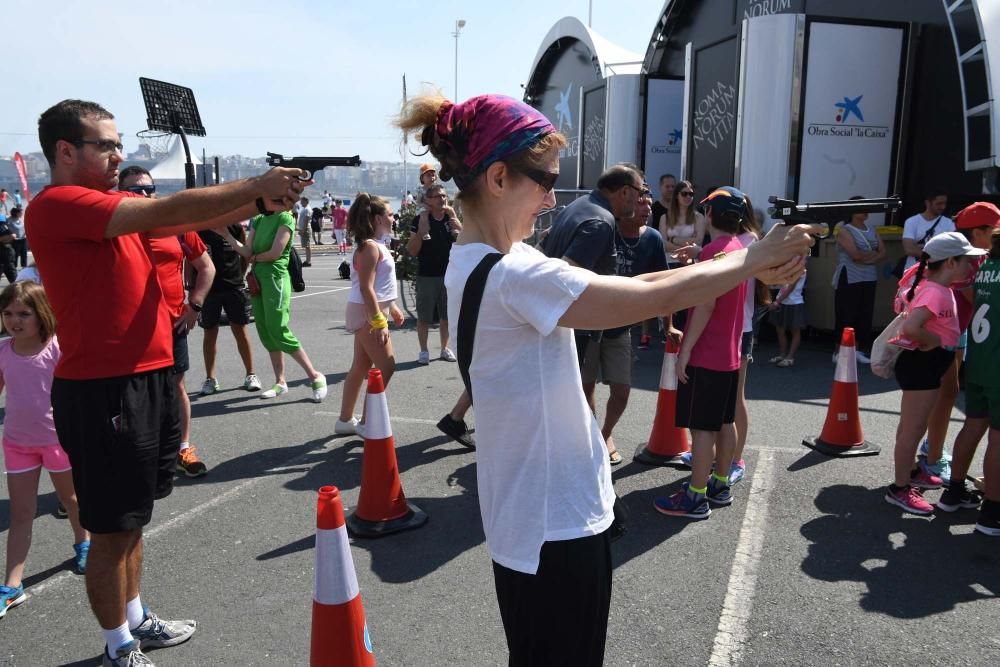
x,y
7,258
339,215
432,234
922,227
664,197
20,243
859,251
227,294
303,219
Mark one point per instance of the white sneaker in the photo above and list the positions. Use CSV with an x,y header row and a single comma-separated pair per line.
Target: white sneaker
x,y
448,355
424,358
275,391
209,386
251,383
862,358
319,389
349,427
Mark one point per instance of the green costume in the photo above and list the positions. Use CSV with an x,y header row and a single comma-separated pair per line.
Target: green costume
x,y
270,307
982,366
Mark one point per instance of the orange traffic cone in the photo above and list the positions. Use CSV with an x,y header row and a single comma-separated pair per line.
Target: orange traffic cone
x,y
339,630
842,434
382,508
666,441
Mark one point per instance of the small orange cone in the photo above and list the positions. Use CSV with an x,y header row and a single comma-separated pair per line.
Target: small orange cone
x,y
666,441
339,630
382,508
842,434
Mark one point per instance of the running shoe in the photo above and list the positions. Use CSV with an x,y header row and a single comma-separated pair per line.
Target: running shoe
x,y
940,469
209,386
910,499
719,493
10,597
276,390
81,551
251,383
156,633
737,472
956,499
350,427
684,504
685,459
424,358
127,655
319,389
922,479
945,454
189,463
448,355
644,342
988,523
457,430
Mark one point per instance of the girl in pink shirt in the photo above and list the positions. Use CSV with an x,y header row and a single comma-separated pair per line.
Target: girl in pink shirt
x,y
27,361
929,336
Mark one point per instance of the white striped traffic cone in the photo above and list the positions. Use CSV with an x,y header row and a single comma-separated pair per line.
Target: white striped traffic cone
x,y
339,630
666,441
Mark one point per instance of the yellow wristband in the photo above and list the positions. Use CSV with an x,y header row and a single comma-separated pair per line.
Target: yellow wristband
x,y
718,256
379,322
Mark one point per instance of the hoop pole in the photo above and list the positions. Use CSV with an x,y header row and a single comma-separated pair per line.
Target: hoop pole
x,y
189,180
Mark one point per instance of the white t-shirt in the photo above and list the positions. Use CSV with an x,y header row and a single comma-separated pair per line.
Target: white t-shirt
x,y
794,297
916,226
745,239
305,216
543,468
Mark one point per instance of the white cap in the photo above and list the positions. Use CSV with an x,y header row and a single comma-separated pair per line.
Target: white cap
x,y
950,244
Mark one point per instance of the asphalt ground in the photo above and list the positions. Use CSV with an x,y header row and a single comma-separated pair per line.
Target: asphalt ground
x,y
809,566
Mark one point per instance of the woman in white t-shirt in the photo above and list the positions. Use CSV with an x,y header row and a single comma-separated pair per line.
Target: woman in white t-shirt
x,y
544,480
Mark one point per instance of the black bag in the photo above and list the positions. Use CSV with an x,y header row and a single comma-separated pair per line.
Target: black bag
x,y
295,271
900,266
472,299
345,270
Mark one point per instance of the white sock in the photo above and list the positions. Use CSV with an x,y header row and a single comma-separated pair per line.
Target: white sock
x,y
185,445
117,637
133,612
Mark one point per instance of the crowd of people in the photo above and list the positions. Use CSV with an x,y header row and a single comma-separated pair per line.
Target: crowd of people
x,y
97,397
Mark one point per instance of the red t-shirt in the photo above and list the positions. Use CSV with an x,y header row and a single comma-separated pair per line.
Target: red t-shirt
x,y
339,218
168,255
718,347
105,294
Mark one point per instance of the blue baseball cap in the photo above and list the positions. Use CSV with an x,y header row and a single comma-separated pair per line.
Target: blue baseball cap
x,y
725,199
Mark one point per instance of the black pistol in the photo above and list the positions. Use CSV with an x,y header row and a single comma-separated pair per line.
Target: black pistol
x,y
311,165
828,212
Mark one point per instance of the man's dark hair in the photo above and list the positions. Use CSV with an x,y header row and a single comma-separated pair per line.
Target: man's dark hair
x,y
16,211
932,194
129,172
617,177
666,176
63,121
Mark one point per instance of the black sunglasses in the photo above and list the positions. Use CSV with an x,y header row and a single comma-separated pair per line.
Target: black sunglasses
x,y
685,193
141,189
546,179
103,145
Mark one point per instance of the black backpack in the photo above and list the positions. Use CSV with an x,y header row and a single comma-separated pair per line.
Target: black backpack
x,y
295,271
345,270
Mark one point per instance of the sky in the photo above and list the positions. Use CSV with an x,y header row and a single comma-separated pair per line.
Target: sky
x,y
291,77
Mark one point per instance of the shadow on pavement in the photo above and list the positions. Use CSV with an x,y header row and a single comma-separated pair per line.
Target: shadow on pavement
x,y
39,577
261,462
647,528
912,566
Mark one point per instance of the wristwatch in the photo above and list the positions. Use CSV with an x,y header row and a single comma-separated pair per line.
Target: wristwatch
x,y
196,307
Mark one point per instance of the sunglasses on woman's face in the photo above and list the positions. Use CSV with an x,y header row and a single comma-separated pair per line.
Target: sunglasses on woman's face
x,y
685,193
546,179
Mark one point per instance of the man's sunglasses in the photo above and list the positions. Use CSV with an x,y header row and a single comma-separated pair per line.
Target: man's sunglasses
x,y
141,189
103,145
546,179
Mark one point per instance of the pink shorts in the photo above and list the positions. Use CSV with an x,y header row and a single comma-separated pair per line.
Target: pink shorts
x,y
18,458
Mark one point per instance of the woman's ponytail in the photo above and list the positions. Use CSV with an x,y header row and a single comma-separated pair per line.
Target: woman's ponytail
x,y
924,257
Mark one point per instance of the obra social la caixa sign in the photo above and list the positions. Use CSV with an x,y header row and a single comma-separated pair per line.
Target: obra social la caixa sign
x,y
852,82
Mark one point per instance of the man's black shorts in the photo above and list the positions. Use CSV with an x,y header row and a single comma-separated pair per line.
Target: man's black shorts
x,y
707,400
181,360
234,302
122,436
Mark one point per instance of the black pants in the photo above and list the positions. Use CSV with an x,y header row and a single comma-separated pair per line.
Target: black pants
x,y
21,252
854,306
558,616
7,267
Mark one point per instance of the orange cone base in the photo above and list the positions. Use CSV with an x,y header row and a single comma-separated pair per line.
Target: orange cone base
x,y
359,527
863,449
647,457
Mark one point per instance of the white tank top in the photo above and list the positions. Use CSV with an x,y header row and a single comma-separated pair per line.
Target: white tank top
x,y
385,277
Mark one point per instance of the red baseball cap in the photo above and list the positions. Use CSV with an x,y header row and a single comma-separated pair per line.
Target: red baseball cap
x,y
978,214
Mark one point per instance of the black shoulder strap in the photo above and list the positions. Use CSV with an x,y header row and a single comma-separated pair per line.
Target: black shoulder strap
x,y
472,298
930,232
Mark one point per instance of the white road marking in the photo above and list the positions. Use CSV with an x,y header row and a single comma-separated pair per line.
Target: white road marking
x,y
733,624
339,289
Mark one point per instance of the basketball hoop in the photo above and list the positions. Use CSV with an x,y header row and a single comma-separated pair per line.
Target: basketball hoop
x,y
157,140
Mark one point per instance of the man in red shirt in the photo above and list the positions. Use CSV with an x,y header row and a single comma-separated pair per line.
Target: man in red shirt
x,y
169,254
113,397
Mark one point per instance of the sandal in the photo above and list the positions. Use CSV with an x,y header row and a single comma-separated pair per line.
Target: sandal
x,y
776,359
615,458
786,362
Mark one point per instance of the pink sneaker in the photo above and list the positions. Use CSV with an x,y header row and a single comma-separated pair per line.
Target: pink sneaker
x,y
922,479
910,499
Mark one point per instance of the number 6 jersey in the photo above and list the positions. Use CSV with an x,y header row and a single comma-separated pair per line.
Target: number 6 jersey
x,y
983,361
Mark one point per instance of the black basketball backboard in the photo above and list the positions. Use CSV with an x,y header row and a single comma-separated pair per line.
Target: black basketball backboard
x,y
169,106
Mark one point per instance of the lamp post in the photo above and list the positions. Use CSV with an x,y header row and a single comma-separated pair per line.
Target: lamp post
x,y
459,24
